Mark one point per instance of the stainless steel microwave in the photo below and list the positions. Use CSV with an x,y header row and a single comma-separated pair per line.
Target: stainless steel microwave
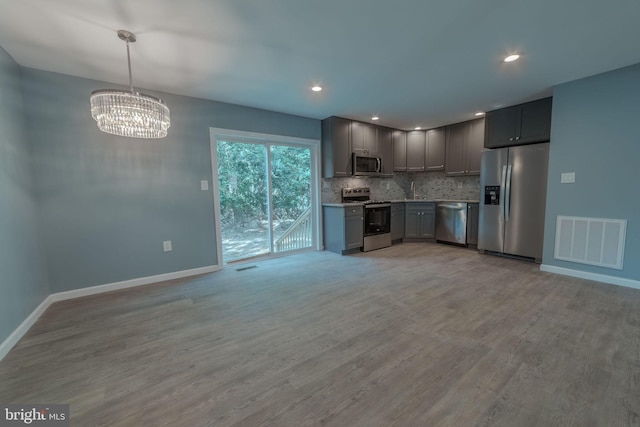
x,y
367,164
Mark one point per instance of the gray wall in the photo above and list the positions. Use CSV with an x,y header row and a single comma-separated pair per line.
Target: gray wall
x,y
108,202
23,280
594,133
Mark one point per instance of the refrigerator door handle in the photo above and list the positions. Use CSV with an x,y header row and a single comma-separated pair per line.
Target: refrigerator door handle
x,y
502,191
507,199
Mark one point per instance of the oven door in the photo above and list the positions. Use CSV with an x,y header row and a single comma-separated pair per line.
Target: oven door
x,y
377,219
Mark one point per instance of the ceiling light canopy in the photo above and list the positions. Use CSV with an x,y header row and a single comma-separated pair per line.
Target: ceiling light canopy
x,y
479,113
375,118
512,58
316,88
418,127
129,114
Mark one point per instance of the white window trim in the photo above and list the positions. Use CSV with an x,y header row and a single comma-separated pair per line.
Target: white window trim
x,y
263,138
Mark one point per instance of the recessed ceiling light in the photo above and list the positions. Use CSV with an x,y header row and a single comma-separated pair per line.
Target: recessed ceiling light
x,y
375,118
511,58
316,88
418,128
479,113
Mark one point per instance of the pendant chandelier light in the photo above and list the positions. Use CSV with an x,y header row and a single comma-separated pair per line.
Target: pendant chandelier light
x,y
130,114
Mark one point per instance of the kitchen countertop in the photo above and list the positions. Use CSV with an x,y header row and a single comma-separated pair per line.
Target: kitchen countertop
x,y
434,201
342,205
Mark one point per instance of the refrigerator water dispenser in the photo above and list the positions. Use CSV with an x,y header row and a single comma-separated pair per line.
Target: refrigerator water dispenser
x,y
492,195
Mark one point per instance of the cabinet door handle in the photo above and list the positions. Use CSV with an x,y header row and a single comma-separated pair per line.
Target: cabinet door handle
x,y
510,139
517,138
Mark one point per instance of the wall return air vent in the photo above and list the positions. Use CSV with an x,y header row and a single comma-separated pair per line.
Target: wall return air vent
x,y
594,241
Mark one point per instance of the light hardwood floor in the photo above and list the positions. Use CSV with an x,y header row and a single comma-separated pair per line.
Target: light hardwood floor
x,y
412,335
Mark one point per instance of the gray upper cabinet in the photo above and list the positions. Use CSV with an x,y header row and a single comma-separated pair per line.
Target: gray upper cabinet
x,y
454,149
535,121
500,128
521,124
363,137
416,145
456,137
474,146
385,148
464,143
435,149
399,150
336,147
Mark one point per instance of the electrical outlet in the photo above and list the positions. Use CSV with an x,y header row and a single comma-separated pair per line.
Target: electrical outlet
x,y
387,185
166,246
567,177
460,184
204,185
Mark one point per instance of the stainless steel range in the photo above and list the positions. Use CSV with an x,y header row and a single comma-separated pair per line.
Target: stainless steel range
x,y
377,217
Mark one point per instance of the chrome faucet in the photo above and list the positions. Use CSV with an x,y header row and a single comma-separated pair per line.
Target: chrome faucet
x,y
413,188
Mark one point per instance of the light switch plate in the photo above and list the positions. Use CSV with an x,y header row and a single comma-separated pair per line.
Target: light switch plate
x,y
567,177
204,185
166,246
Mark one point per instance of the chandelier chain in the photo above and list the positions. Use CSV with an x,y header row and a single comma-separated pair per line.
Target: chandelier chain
x,y
129,62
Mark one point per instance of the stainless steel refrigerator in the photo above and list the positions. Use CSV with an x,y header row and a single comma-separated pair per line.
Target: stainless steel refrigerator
x,y
513,188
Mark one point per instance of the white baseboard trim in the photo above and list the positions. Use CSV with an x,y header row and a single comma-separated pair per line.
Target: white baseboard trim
x,y
19,332
22,329
620,281
100,289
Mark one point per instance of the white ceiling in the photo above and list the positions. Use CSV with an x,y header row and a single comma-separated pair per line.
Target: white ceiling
x,y
413,62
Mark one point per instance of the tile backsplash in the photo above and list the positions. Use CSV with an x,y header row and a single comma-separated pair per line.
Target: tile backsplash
x,y
429,185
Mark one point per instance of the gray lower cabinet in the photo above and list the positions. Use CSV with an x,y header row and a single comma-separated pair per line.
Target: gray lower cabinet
x,y
343,228
397,221
420,220
472,223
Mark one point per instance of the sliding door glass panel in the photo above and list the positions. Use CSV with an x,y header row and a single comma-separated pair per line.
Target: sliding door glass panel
x,y
291,197
244,200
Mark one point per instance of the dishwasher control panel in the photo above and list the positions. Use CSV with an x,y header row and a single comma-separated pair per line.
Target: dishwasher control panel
x,y
492,195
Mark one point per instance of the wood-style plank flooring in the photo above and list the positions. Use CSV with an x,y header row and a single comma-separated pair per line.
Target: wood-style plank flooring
x,y
412,335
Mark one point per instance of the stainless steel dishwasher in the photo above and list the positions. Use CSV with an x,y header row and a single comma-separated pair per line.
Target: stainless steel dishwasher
x,y
451,222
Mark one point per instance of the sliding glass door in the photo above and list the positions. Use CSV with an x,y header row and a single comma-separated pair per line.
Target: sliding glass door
x,y
244,200
266,197
291,197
